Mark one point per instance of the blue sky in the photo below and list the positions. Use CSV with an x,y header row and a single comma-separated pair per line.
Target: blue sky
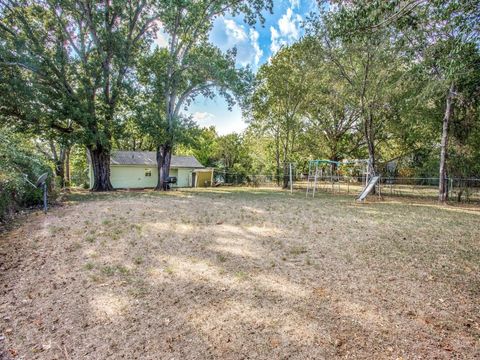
x,y
255,45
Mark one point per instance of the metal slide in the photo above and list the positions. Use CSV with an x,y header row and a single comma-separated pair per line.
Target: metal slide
x,y
371,184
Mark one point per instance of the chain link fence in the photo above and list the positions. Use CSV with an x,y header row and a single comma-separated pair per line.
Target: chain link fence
x,y
459,189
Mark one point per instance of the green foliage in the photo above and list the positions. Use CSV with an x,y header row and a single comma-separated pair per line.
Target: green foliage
x,y
70,61
203,145
370,79
57,62
233,157
278,102
171,78
440,42
202,70
79,166
19,161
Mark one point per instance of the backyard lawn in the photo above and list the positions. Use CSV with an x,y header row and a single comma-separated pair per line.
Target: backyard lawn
x,y
233,273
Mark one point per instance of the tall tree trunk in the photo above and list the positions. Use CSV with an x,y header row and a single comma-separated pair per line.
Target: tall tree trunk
x,y
164,156
371,159
58,158
67,167
284,170
442,181
60,172
370,138
100,158
286,175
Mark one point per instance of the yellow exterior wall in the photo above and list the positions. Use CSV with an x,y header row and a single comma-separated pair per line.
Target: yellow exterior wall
x,y
130,177
204,178
133,176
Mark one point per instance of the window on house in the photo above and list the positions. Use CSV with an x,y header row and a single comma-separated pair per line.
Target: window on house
x,y
148,172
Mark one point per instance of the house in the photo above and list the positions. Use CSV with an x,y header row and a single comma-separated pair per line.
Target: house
x,y
138,169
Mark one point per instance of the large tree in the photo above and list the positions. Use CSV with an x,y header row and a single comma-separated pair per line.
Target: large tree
x,y
206,71
447,35
192,66
277,104
76,57
203,145
368,68
21,112
333,120
441,40
233,157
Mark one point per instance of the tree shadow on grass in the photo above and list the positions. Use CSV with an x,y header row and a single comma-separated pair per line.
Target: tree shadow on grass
x,y
241,283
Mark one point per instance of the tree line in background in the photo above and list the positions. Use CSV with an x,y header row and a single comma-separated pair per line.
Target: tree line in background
x,y
383,80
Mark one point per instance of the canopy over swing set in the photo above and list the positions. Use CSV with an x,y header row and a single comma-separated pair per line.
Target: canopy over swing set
x,y
328,170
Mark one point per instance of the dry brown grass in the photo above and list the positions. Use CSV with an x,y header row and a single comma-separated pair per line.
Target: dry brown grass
x,y
237,274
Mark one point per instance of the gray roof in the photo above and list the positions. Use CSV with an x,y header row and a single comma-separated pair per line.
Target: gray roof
x,y
149,158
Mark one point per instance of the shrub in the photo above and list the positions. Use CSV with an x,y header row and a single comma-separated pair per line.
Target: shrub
x,y
18,162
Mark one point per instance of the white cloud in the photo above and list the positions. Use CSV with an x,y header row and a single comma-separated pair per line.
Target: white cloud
x,y
254,35
289,25
203,118
234,31
288,30
227,33
276,41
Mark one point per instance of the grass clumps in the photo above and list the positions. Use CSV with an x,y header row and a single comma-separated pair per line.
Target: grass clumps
x,y
111,270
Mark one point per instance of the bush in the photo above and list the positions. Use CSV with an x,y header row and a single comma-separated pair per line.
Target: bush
x,y
19,162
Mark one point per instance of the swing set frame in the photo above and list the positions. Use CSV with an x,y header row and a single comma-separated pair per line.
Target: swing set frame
x,y
316,167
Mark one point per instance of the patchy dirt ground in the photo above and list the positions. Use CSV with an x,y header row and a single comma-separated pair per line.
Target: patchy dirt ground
x,y
241,274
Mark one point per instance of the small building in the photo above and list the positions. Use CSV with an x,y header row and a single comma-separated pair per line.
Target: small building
x,y
138,170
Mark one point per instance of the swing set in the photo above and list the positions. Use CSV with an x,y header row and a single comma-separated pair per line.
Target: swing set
x,y
327,174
